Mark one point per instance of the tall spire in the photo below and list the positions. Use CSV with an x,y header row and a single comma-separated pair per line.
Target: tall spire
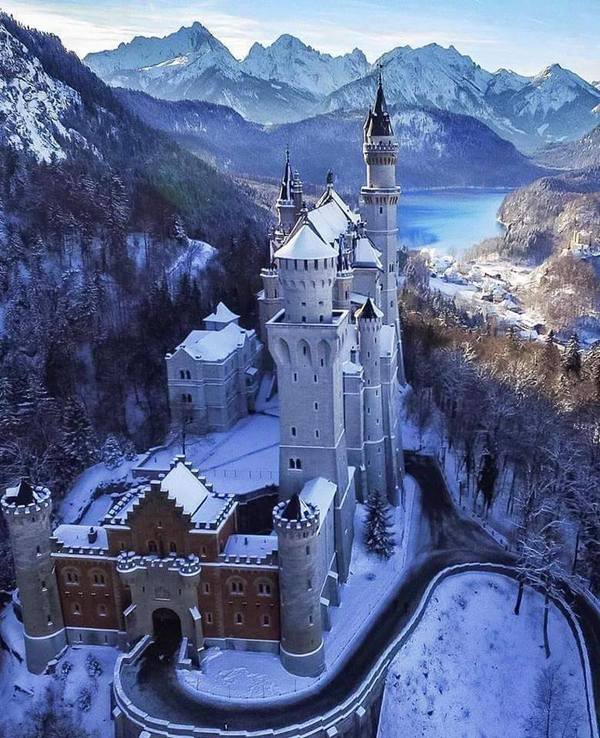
x,y
286,183
378,121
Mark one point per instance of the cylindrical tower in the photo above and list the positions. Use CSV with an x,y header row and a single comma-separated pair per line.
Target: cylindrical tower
x,y
307,269
369,321
270,302
27,511
296,524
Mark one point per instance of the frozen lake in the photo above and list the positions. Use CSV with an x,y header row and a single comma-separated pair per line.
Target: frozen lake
x,y
448,220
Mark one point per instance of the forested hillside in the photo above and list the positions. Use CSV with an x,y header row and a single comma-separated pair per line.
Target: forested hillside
x,y
89,234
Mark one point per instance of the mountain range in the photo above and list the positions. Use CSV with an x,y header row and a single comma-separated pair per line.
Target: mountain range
x,y
437,148
288,81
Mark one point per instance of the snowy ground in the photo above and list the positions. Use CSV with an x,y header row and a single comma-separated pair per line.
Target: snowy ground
x,y
23,694
240,460
472,667
248,675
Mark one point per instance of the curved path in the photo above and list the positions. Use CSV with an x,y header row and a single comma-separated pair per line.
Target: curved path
x,y
445,538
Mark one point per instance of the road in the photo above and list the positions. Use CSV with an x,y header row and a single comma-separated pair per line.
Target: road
x,y
444,538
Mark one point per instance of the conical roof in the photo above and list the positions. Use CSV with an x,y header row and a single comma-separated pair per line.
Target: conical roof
x,y
378,121
285,193
305,243
296,509
368,311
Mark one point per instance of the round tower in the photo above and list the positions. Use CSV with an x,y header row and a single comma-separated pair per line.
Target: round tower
x,y
296,524
307,269
270,302
27,511
369,321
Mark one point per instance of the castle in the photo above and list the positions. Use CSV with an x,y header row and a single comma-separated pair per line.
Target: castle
x,y
172,557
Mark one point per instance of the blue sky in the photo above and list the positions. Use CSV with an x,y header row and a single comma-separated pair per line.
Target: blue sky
x,y
524,35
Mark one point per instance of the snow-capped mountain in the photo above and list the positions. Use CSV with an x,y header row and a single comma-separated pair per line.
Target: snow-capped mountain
x,y
290,60
288,81
554,105
33,106
192,64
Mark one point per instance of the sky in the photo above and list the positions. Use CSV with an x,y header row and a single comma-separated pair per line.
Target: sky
x,y
523,35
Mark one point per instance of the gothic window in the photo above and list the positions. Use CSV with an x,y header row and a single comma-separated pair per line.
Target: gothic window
x,y
266,621
72,576
298,464
239,618
98,578
236,586
292,464
152,547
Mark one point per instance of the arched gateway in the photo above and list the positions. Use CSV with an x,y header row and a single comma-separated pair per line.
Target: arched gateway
x,y
166,628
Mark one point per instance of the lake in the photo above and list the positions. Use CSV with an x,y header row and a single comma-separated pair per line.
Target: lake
x,y
448,220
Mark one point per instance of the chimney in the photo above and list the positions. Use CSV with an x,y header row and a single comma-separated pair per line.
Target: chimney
x,y
92,535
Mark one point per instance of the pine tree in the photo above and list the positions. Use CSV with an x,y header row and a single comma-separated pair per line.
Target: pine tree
x,y
79,442
111,452
378,535
572,356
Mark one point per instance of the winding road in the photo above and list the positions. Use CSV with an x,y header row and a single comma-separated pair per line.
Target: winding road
x,y
444,538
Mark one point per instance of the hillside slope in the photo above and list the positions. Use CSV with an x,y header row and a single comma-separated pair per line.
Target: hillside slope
x,y
437,149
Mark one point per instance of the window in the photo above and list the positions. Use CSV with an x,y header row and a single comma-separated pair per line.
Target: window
x,y
49,620
99,579
38,550
173,547
293,430
310,619
72,576
308,550
76,608
102,611
181,374
43,583
304,350
315,378
236,586
309,585
264,588
316,405
295,376
205,588
266,621
203,550
316,434
292,463
380,211
209,618
188,374
152,547
239,618
298,464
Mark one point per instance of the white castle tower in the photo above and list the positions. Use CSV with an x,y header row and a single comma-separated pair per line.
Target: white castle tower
x,y
368,318
27,511
307,341
296,524
380,196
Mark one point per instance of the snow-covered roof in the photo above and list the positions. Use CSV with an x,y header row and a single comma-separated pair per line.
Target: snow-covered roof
x,y
387,340
329,221
222,314
331,196
183,486
319,492
305,243
366,255
215,345
351,367
250,545
81,537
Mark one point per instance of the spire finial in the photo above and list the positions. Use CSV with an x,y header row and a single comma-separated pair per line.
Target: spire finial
x,y
380,74
287,153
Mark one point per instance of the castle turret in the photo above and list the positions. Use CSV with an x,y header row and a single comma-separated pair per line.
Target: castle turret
x,y
296,524
306,340
27,511
380,196
368,319
286,207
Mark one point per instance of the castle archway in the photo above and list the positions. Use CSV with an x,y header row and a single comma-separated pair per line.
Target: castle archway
x,y
166,628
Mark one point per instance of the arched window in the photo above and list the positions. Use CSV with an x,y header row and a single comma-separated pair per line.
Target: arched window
x,y
266,621
188,374
102,611
239,618
236,586
98,578
292,464
173,547
152,547
76,608
71,576
264,588
298,464
181,374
